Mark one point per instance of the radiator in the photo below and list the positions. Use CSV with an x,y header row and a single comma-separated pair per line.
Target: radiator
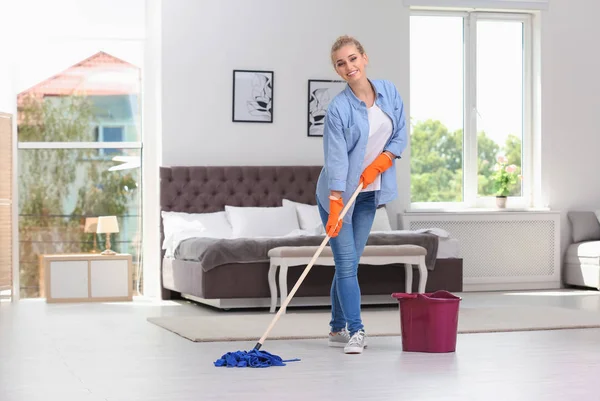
x,y
500,250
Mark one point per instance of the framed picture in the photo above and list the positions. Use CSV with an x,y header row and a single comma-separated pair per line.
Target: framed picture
x,y
252,96
320,93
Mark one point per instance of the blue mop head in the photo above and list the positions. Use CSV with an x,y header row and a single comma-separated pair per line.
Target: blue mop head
x,y
252,359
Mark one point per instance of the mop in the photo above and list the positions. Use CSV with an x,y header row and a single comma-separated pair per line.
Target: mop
x,y
256,358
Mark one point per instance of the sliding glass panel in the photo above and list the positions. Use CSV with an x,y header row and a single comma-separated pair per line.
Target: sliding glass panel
x,y
436,108
59,189
500,107
78,69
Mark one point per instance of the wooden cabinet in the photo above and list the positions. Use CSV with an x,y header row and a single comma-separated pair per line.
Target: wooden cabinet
x,y
86,278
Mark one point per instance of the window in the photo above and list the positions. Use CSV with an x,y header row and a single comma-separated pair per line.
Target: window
x,y
470,95
79,131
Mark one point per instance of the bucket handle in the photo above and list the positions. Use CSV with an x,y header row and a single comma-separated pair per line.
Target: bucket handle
x,y
429,296
403,295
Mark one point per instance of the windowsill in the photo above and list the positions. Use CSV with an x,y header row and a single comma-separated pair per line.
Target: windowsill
x,y
426,210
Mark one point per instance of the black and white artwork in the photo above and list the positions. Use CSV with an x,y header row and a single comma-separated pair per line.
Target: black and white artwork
x,y
253,96
320,93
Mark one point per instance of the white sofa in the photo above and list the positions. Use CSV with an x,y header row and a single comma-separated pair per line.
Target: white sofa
x,y
582,259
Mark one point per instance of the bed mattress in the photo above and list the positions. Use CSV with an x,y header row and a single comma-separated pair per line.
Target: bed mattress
x,y
212,252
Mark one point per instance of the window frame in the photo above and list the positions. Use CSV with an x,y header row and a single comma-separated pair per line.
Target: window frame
x,y
471,200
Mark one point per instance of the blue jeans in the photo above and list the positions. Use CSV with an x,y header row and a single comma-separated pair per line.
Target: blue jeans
x,y
347,248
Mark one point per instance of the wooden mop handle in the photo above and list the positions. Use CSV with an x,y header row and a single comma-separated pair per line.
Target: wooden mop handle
x,y
306,270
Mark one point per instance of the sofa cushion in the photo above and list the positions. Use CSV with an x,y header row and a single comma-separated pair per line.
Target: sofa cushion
x,y
584,226
584,253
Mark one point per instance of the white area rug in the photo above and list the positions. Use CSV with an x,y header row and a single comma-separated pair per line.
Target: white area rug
x,y
313,325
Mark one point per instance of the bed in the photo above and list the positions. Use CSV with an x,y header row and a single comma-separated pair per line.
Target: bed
x,y
216,253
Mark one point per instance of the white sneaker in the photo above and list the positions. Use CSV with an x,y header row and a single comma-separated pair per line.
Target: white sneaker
x,y
339,339
357,343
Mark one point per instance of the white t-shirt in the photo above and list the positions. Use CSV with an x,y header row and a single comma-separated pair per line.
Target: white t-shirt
x,y
380,130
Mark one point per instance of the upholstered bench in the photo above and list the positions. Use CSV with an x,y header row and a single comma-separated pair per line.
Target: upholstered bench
x,y
285,256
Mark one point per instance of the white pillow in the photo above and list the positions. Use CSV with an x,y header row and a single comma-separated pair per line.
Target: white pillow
x,y
308,216
212,225
252,222
382,221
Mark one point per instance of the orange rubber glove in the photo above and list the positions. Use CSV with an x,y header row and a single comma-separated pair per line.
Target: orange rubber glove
x,y
335,208
379,165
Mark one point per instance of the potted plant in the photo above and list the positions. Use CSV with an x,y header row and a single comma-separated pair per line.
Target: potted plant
x,y
505,176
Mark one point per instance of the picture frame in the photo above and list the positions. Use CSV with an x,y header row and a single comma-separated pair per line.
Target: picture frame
x,y
320,93
252,96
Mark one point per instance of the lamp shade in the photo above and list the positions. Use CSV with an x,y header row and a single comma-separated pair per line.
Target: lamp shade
x,y
91,225
107,224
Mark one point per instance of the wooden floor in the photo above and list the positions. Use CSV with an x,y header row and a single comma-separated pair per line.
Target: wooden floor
x,y
109,352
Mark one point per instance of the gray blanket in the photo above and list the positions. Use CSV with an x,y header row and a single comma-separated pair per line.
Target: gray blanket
x,y
211,252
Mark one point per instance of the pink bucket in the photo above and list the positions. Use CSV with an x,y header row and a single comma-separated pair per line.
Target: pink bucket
x,y
429,322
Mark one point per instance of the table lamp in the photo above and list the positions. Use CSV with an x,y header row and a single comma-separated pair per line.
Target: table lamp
x,y
107,225
91,225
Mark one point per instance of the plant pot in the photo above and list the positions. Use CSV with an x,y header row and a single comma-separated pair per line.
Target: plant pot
x,y
501,202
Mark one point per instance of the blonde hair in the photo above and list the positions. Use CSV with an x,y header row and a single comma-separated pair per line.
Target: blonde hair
x,y
343,41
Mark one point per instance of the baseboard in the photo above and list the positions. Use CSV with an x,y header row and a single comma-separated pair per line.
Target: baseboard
x,y
498,286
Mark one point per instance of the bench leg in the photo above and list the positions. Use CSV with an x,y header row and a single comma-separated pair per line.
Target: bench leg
x,y
408,272
422,275
283,270
273,286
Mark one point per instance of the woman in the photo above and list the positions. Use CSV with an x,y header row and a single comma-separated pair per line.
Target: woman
x,y
364,133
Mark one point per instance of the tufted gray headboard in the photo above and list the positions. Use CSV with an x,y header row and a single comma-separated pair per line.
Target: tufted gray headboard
x,y
205,189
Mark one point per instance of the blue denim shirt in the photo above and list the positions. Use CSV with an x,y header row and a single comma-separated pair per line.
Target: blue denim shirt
x,y
345,137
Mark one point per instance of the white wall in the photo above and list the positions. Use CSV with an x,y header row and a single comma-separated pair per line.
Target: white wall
x,y
7,97
152,122
6,89
571,107
204,41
